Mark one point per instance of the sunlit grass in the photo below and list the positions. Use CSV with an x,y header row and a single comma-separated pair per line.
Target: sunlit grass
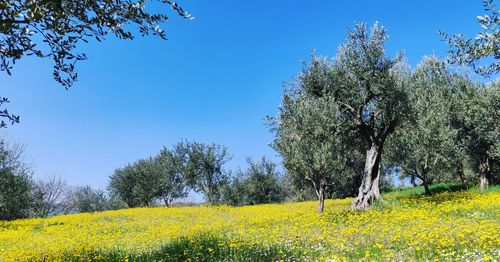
x,y
454,225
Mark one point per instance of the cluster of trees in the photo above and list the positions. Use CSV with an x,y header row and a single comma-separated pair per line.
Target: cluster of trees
x,y
260,183
21,196
170,174
351,118
161,179
199,167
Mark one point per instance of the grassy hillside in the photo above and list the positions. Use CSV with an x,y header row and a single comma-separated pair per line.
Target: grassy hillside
x,y
457,226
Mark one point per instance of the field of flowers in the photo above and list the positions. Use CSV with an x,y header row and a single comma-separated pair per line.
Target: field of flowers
x,y
446,226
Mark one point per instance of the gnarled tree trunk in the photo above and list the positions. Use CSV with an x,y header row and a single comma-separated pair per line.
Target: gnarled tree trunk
x,y
321,195
425,180
484,173
461,175
426,186
369,189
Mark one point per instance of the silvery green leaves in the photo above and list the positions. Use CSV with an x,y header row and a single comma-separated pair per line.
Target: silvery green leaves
x,y
482,53
340,107
53,29
424,147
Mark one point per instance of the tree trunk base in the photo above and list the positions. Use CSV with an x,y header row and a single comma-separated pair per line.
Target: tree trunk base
x,y
426,189
364,200
321,205
321,196
483,182
484,173
369,190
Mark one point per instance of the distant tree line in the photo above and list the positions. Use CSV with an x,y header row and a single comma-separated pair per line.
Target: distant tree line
x,y
21,196
152,181
199,167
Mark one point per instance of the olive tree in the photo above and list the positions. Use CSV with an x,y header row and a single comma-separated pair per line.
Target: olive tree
x,y
480,131
136,184
204,170
425,145
309,135
233,193
87,199
147,180
365,94
260,183
15,182
169,166
369,91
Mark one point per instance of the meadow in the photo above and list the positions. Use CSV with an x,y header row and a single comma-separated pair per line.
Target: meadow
x,y
409,227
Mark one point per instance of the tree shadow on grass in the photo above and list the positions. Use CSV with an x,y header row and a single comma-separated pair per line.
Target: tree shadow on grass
x,y
419,190
201,248
440,188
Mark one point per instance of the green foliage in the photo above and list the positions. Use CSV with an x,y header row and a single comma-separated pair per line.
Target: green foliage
x,y
368,87
15,183
476,118
172,184
425,145
485,45
169,175
262,182
87,199
136,184
15,199
259,184
309,135
340,107
146,180
482,122
234,192
420,190
53,29
203,168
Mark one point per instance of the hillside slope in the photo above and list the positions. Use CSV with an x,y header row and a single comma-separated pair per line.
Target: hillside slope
x,y
462,225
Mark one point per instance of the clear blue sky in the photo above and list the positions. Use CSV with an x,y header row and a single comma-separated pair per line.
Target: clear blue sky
x,y
214,80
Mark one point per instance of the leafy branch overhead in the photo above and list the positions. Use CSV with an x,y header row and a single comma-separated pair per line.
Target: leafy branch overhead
x,y
52,29
6,115
485,47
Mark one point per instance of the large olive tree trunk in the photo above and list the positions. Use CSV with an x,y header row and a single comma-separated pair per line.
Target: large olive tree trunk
x,y
321,195
461,174
425,179
369,189
484,173
426,187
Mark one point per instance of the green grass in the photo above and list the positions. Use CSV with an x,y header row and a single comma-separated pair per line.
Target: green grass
x,y
435,189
